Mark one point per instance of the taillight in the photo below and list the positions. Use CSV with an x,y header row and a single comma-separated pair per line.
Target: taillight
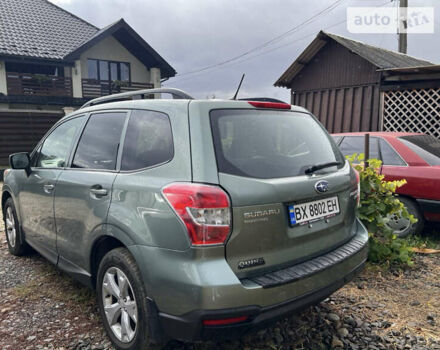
x,y
204,209
273,105
358,188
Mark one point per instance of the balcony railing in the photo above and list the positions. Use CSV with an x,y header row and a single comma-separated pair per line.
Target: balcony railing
x,y
38,84
96,88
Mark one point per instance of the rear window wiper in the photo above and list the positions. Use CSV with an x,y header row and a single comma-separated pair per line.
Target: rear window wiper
x,y
316,167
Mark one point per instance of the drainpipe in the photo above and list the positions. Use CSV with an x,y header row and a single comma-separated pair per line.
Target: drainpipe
x,y
3,84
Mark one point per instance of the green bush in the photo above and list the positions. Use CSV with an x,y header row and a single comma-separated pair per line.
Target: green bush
x,y
377,203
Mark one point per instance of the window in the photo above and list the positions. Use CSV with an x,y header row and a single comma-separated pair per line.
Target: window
x,y
148,140
125,72
336,138
35,156
425,146
92,67
57,146
356,144
108,70
389,155
270,144
103,70
99,143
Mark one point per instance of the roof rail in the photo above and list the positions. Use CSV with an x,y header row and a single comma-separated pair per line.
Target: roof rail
x,y
176,93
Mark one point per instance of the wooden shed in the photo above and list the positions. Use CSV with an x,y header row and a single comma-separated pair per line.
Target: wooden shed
x,y
352,86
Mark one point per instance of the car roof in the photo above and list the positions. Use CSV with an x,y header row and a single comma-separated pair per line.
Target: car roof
x,y
160,103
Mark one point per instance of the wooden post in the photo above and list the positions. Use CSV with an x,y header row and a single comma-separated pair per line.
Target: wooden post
x,y
367,150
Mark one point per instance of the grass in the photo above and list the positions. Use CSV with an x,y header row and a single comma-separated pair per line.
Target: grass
x,y
56,285
430,238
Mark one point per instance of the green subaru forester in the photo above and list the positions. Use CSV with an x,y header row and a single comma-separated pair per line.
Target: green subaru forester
x,y
193,219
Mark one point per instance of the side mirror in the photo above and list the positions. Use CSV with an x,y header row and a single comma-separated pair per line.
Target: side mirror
x,y
20,161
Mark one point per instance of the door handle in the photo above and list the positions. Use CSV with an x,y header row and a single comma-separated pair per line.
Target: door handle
x,y
98,191
48,188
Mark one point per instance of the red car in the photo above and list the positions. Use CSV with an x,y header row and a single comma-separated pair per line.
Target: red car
x,y
411,156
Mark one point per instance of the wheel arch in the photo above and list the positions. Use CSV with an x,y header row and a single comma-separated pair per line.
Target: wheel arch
x,y
101,246
5,196
106,238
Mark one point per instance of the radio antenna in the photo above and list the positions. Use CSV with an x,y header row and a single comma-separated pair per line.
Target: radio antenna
x,y
239,86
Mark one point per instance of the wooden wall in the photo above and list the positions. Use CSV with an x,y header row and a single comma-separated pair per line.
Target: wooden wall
x,y
344,109
341,89
21,131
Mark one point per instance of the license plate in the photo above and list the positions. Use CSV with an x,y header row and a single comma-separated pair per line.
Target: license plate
x,y
311,211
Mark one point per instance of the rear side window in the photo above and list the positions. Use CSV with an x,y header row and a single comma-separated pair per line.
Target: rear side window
x,y
270,144
389,155
356,144
425,146
99,143
148,140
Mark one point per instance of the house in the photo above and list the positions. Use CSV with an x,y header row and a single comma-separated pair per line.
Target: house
x,y
51,62
352,86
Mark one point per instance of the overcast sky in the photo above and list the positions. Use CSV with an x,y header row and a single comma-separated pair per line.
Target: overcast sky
x,y
193,34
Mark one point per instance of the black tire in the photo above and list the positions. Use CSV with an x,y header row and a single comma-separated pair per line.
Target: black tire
x,y
120,258
18,246
413,209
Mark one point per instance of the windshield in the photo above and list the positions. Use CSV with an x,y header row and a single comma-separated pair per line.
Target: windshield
x,y
425,146
270,144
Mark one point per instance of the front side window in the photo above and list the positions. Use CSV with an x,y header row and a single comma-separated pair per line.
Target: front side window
x,y
99,143
270,144
56,148
425,146
356,144
148,140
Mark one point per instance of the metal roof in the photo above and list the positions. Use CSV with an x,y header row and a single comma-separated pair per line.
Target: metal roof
x,y
381,58
416,69
38,29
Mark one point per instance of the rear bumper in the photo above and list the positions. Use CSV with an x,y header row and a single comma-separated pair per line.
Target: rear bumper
x,y
430,209
189,327
265,304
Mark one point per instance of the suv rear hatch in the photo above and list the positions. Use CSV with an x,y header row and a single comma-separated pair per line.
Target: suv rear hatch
x,y
280,215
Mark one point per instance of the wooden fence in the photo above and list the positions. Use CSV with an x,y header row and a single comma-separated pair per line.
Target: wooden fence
x,y
21,131
38,84
93,88
412,110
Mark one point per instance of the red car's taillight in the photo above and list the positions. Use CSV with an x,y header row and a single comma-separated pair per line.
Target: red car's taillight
x,y
204,209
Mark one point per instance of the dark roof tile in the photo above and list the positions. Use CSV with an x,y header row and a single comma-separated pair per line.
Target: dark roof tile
x,y
37,28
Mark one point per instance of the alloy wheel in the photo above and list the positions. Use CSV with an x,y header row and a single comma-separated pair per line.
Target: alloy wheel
x,y
10,227
120,305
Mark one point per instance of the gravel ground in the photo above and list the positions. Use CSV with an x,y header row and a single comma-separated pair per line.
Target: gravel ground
x,y
42,308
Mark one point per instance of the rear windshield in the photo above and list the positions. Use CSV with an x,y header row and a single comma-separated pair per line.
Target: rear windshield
x,y
425,146
270,144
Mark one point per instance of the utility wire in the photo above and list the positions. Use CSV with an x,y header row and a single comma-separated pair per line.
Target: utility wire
x,y
200,72
269,42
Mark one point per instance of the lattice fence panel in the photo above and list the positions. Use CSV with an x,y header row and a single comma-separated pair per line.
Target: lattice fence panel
x,y
412,110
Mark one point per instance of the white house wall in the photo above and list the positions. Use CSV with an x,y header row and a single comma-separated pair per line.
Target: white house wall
x,y
110,49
